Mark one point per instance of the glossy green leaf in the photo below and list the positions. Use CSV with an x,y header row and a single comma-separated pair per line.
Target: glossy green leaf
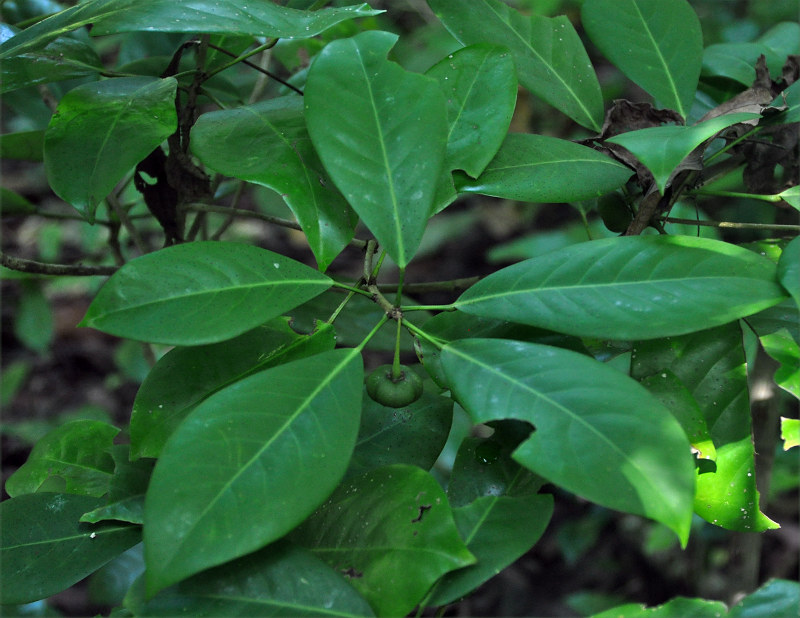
x,y
778,330
790,432
632,287
267,143
778,597
589,421
201,292
791,196
25,146
12,204
227,480
381,133
127,489
480,84
736,61
227,17
101,130
44,550
670,391
415,434
711,365
497,530
41,33
538,168
485,466
391,533
662,149
73,456
679,606
281,580
789,269
658,44
352,325
784,348
453,325
185,377
550,58
62,59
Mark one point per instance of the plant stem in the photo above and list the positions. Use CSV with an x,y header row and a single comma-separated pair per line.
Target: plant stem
x,y
40,268
727,147
428,308
734,225
371,334
753,196
453,285
417,331
396,372
268,45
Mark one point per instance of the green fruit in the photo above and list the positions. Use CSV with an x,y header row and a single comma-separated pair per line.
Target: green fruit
x,y
615,212
383,388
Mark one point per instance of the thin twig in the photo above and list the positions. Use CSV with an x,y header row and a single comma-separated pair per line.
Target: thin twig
x,y
735,225
41,268
251,214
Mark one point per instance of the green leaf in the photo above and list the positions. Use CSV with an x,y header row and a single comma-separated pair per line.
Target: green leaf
x,y
391,533
791,196
632,287
497,530
75,456
538,168
250,463
485,467
711,365
736,61
100,130
670,391
784,348
41,33
185,377
415,434
267,143
656,43
62,59
778,597
44,550
550,58
662,149
381,132
227,17
778,330
200,292
789,269
25,146
679,606
127,489
12,204
481,89
790,432
589,421
452,325
280,580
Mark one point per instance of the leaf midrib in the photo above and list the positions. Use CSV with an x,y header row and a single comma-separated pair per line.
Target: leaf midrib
x,y
550,68
612,284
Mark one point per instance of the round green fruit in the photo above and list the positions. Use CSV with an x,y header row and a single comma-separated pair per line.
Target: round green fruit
x,y
615,212
383,388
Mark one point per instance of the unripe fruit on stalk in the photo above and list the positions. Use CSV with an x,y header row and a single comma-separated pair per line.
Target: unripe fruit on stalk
x,y
615,212
383,388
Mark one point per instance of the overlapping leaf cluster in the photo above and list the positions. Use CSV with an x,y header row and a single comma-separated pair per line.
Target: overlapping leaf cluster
x,y
259,476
